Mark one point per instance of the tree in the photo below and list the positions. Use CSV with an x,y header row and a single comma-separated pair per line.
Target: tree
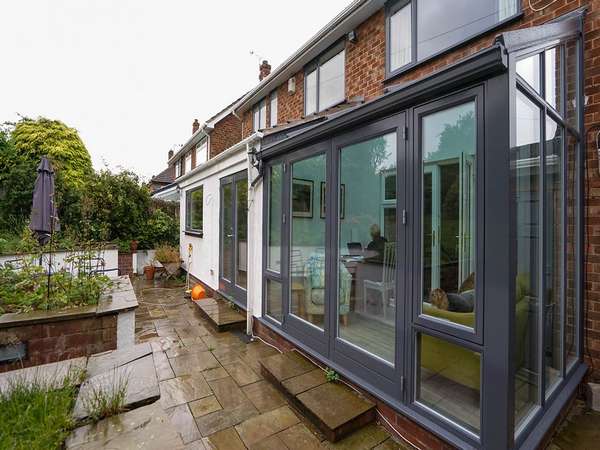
x,y
52,138
21,148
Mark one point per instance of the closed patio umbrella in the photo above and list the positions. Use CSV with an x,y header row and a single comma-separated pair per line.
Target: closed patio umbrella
x,y
44,218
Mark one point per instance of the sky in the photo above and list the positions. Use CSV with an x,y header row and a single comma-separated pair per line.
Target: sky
x,y
132,75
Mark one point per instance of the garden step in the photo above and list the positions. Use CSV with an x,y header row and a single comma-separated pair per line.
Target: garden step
x,y
221,315
334,408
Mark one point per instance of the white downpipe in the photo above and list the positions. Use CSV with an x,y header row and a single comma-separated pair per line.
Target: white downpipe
x,y
252,250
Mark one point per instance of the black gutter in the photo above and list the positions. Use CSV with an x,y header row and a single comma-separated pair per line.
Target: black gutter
x,y
476,67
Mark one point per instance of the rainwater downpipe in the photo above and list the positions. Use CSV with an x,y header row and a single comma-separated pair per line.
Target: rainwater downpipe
x,y
253,252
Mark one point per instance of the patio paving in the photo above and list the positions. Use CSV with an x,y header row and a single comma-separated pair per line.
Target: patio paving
x,y
212,393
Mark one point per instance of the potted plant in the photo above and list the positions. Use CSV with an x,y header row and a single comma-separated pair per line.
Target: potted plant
x,y
149,270
168,257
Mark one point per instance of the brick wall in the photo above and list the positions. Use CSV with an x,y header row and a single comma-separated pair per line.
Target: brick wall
x,y
227,132
125,263
66,339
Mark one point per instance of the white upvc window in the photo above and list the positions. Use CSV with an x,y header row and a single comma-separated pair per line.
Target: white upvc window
x,y
188,162
325,81
259,116
273,115
202,152
177,169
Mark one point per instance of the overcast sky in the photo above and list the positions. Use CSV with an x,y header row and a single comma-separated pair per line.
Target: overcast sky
x,y
131,75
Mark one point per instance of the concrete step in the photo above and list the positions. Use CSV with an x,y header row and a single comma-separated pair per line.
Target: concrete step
x,y
334,408
221,315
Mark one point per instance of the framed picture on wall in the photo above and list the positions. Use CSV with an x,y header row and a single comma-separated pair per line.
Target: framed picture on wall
x,y
302,198
342,200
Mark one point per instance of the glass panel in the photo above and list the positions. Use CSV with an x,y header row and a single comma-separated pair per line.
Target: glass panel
x,y
274,221
448,380
227,231
571,61
401,37
389,188
571,324
241,192
554,251
525,165
256,118
310,95
553,78
448,234
194,221
367,258
307,249
201,153
441,28
273,108
331,81
529,69
188,163
273,301
263,114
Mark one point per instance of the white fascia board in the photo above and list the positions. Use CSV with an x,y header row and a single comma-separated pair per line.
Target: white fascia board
x,y
203,131
204,170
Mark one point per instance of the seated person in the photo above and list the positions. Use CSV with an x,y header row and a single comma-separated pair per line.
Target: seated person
x,y
377,244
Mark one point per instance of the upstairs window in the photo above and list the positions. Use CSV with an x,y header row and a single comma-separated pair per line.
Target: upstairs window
x,y
324,80
259,116
202,152
188,163
273,112
177,169
421,29
194,209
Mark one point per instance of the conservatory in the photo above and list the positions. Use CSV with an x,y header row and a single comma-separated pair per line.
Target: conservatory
x,y
428,244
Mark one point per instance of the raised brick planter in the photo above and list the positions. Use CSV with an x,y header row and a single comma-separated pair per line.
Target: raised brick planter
x,y
50,336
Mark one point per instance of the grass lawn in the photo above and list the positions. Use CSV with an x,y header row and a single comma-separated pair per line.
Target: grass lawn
x,y
37,415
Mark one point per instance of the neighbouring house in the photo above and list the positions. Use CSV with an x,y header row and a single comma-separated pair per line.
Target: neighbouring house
x,y
404,200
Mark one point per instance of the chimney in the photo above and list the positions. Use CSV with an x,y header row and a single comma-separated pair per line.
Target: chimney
x,y
171,153
265,70
195,126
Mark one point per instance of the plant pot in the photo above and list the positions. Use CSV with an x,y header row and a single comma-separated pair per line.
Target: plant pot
x,y
149,272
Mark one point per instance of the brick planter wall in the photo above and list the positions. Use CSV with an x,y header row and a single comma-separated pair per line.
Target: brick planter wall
x,y
60,340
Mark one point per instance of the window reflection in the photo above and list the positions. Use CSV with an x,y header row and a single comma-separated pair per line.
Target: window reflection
x,y
307,246
448,222
367,246
449,380
525,165
274,220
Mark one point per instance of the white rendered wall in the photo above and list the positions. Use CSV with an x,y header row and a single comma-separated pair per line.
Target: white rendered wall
x,y
205,254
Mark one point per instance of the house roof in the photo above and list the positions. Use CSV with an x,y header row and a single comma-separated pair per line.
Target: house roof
x,y
347,20
204,130
165,177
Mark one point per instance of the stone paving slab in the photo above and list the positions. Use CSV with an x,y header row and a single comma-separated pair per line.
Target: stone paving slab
x,y
103,362
226,439
285,365
183,389
258,428
220,315
193,362
52,374
183,421
225,418
147,427
139,377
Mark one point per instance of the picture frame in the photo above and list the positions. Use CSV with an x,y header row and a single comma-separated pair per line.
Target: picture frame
x,y
302,198
342,200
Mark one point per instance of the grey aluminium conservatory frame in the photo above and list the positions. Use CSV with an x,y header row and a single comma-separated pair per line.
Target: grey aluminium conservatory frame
x,y
490,76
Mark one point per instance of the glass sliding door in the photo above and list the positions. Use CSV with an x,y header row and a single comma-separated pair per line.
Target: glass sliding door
x,y
233,274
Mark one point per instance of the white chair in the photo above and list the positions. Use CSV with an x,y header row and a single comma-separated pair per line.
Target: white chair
x,y
386,287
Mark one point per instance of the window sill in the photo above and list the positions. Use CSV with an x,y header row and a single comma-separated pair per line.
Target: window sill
x,y
389,76
198,234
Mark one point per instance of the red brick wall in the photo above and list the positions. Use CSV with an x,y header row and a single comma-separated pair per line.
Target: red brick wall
x,y
125,263
57,341
227,132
